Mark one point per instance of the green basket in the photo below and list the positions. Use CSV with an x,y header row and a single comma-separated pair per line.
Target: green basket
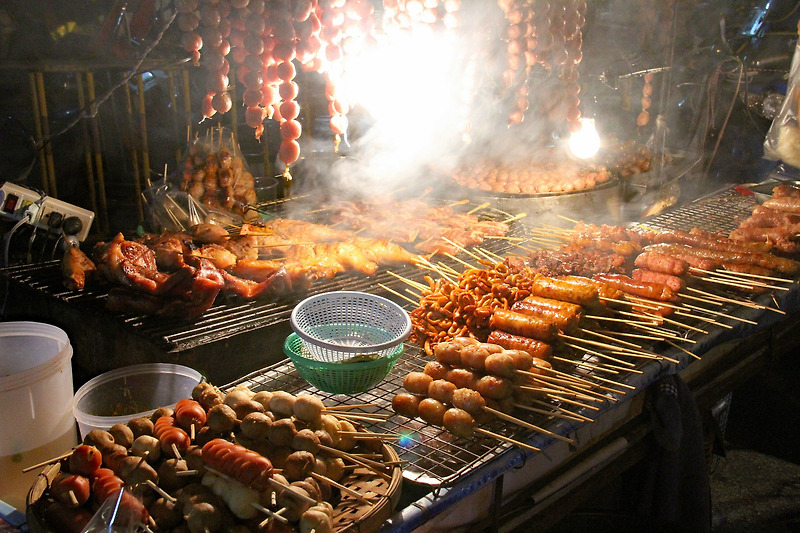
x,y
344,377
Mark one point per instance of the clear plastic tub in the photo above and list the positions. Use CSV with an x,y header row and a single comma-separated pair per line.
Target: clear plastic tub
x,y
35,393
130,392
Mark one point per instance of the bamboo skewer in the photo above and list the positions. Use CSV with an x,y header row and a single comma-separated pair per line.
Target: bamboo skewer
x,y
605,345
348,490
515,217
559,384
667,320
47,462
665,334
609,337
731,283
343,414
399,295
568,376
728,274
574,402
602,367
703,319
270,514
503,438
372,465
685,296
368,435
164,494
684,350
745,303
584,363
345,406
654,338
509,418
555,413
561,409
412,283
719,313
478,208
454,258
557,390
580,384
359,416
489,255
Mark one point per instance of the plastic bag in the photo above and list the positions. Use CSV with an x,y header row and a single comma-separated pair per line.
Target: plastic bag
x,y
216,175
122,512
783,138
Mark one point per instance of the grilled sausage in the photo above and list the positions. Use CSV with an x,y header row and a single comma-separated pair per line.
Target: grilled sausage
x,y
655,291
562,319
526,326
673,282
666,264
534,347
564,290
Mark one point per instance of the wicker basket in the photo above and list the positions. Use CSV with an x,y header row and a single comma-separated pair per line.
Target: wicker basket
x,y
349,515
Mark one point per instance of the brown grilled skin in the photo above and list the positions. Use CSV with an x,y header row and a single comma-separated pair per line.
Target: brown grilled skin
x,y
524,325
658,262
655,291
675,283
566,291
534,347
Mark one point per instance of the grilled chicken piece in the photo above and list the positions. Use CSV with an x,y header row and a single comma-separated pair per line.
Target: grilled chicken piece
x,y
77,269
133,265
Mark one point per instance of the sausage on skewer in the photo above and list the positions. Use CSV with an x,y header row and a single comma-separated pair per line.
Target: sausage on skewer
x,y
523,325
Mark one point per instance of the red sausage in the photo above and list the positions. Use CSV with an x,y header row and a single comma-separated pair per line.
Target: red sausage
x,y
71,489
245,466
664,263
85,460
168,433
190,413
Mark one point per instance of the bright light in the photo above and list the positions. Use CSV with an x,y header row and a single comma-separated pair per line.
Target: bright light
x,y
406,86
585,142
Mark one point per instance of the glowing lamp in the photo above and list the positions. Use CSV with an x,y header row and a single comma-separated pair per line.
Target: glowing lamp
x,y
585,141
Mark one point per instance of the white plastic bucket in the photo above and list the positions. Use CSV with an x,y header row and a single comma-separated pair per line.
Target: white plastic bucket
x,y
130,392
35,395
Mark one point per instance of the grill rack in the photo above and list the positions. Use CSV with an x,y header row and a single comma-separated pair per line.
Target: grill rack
x,y
438,459
229,316
435,457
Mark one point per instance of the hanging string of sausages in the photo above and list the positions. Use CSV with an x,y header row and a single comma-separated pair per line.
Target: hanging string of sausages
x,y
263,44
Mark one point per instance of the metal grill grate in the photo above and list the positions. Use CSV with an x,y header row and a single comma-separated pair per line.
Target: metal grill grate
x,y
437,458
228,317
720,212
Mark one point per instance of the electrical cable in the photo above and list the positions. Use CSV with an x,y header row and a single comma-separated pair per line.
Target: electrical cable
x,y
84,113
7,239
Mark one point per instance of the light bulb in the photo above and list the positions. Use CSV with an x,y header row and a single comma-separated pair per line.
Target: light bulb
x,y
585,142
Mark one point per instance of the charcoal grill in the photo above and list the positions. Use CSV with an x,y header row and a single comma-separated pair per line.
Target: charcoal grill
x,y
439,460
231,339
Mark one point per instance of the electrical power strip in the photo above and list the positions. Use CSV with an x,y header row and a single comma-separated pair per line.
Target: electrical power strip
x,y
16,202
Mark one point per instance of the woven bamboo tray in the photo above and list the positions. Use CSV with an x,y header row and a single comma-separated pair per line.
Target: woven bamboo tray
x,y
349,515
